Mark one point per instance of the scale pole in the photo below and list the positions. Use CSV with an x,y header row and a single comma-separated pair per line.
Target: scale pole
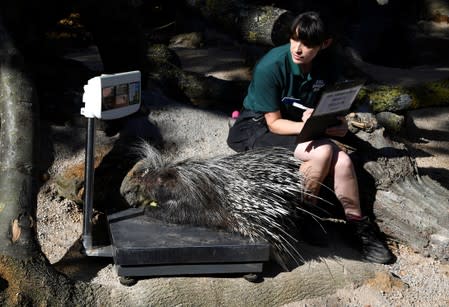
x,y
105,97
89,170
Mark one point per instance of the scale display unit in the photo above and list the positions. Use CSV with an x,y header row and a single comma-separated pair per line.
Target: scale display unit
x,y
140,245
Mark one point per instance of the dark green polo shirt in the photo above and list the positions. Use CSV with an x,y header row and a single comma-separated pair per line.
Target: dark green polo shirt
x,y
276,76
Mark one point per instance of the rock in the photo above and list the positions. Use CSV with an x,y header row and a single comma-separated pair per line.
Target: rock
x,y
70,182
187,40
384,281
392,122
437,10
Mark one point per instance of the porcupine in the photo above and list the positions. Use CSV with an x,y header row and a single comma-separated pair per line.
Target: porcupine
x,y
255,193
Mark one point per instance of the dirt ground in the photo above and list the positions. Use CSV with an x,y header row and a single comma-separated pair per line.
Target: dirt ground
x,y
417,280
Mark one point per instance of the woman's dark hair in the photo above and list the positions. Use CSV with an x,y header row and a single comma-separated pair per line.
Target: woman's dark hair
x,y
310,29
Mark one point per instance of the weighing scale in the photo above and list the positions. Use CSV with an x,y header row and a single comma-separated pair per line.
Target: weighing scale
x,y
140,245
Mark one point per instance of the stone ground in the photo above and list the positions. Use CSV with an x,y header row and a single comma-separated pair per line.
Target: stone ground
x,y
414,280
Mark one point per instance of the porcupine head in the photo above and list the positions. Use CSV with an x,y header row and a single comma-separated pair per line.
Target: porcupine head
x,y
144,187
166,196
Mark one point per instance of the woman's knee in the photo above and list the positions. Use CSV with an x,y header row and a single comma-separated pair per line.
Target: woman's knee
x,y
318,151
323,152
344,162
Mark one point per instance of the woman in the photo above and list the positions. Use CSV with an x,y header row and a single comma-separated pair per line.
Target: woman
x,y
300,69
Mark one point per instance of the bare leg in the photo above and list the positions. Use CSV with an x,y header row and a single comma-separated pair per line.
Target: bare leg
x,y
345,185
322,157
317,159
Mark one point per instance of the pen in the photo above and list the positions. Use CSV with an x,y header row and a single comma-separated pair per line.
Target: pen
x,y
299,106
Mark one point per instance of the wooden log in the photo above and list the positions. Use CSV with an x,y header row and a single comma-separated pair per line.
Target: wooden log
x,y
399,89
409,208
266,25
18,107
200,90
400,98
414,211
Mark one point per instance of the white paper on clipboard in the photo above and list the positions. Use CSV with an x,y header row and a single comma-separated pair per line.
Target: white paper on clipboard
x,y
337,101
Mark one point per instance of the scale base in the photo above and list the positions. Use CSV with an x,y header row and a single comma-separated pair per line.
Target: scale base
x,y
144,247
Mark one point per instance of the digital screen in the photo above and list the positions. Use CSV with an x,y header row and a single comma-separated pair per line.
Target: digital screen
x,y
121,95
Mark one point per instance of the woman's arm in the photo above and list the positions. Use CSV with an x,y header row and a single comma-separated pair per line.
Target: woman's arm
x,y
278,125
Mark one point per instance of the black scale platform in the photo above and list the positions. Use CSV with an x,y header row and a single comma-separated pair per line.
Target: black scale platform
x,y
142,246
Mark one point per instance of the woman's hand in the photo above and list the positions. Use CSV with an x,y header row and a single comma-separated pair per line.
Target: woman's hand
x,y
306,114
339,130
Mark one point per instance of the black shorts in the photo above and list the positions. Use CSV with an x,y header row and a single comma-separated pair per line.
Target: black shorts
x,y
250,131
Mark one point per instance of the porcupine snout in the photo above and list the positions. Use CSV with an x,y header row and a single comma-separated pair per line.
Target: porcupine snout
x,y
131,187
131,195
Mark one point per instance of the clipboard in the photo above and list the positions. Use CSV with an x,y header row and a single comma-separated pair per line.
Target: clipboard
x,y
335,101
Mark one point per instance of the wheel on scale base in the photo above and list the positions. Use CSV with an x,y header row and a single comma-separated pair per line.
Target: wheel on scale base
x,y
253,277
127,281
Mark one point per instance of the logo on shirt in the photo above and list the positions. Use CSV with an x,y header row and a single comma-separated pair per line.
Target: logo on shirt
x,y
318,85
